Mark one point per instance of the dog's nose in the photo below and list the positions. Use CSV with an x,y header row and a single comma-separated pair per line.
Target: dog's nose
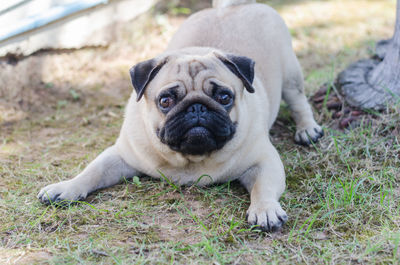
x,y
197,108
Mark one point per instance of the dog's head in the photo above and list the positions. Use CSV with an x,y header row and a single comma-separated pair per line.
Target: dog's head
x,y
191,101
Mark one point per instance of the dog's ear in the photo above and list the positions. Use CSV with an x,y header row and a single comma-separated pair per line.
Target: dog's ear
x,y
241,66
143,73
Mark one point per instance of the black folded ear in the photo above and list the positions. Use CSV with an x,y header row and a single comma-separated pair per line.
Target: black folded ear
x,y
143,73
242,67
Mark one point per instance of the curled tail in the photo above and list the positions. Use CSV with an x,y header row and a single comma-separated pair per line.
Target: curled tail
x,y
227,3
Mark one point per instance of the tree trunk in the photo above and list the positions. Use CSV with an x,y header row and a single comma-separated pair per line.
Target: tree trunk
x,y
375,83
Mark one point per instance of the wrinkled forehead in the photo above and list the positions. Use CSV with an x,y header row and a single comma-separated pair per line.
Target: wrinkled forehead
x,y
191,65
194,70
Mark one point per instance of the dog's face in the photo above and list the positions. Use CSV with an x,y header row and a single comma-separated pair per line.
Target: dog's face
x,y
192,101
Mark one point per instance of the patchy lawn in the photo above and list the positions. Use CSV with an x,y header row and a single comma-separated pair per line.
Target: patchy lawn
x,y
58,110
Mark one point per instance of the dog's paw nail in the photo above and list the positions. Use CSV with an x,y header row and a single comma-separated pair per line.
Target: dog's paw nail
x,y
268,218
309,135
60,194
283,218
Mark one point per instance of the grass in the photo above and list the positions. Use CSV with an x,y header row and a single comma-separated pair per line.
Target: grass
x,y
342,194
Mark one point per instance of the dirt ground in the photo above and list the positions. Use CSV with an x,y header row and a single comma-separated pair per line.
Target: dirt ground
x,y
59,109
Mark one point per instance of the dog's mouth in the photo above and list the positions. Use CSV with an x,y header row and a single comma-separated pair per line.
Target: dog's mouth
x,y
197,129
197,140
197,134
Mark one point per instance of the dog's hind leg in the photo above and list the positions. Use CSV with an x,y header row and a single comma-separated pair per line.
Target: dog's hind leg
x,y
106,170
307,129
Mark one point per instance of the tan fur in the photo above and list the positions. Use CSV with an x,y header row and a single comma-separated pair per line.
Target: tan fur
x,y
252,30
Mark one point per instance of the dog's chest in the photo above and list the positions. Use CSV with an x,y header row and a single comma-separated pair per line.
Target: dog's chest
x,y
200,173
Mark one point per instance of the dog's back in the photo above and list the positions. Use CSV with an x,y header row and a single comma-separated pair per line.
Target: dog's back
x,y
226,3
246,29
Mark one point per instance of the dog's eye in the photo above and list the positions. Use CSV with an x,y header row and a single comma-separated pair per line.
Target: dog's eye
x,y
166,102
224,98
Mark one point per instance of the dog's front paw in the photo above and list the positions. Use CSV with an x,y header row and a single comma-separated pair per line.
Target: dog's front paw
x,y
310,134
62,193
268,217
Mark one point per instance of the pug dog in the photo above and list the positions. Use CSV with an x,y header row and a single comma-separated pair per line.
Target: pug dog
x,y
205,107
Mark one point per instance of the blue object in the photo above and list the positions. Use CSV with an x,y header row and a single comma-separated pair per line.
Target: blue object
x,y
14,6
47,16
